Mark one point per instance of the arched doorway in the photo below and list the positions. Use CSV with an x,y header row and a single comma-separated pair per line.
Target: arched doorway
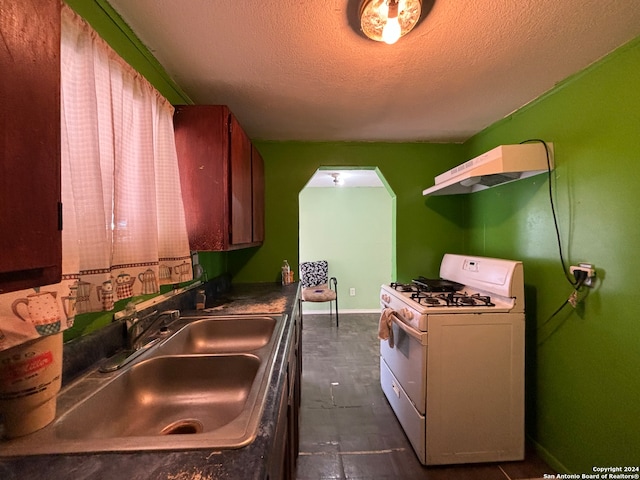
x,y
347,216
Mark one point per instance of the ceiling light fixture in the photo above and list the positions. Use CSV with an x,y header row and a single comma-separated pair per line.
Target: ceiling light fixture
x,y
337,179
388,20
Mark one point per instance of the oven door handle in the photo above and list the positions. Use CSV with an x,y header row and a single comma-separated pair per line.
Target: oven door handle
x,y
419,336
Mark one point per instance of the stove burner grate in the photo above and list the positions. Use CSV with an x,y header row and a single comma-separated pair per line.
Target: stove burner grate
x,y
451,299
426,298
441,293
465,300
403,287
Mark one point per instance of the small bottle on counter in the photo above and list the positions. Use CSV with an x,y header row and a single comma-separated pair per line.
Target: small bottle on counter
x,y
201,299
286,269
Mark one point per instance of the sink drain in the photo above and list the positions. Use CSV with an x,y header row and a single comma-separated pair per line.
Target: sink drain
x,y
182,427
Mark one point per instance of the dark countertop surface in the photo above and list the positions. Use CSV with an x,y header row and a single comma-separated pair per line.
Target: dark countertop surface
x,y
249,462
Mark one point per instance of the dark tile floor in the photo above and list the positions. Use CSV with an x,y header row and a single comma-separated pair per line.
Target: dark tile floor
x,y
347,428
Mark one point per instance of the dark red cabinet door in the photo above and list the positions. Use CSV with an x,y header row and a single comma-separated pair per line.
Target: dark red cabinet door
x,y
30,210
241,186
222,186
257,179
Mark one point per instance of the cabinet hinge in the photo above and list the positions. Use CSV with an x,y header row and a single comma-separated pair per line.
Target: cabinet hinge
x,y
60,216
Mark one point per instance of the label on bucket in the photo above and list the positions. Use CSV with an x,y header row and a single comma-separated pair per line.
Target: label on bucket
x,y
28,391
12,371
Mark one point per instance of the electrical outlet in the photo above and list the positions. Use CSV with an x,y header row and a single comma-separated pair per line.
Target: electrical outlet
x,y
352,292
588,269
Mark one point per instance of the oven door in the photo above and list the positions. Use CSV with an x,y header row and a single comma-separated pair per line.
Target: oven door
x,y
407,360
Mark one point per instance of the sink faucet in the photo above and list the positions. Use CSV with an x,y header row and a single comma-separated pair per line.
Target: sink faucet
x,y
136,331
136,337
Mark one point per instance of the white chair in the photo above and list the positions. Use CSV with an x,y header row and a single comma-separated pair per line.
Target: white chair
x,y
317,286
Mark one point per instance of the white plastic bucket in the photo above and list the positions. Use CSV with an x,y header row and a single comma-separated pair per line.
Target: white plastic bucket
x,y
30,379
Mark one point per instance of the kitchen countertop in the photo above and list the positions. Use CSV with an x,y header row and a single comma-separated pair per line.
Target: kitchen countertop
x,y
249,462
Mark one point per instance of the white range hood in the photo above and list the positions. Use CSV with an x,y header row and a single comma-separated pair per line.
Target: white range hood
x,y
503,164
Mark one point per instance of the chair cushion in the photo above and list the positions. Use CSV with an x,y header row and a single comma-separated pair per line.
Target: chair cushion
x,y
313,274
320,293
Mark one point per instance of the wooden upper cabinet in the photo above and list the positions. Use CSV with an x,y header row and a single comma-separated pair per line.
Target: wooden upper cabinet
x,y
222,179
241,185
257,177
30,191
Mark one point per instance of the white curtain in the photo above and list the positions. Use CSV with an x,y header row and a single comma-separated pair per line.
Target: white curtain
x,y
124,230
120,167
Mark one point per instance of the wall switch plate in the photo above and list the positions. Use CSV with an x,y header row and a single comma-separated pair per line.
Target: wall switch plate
x,y
352,292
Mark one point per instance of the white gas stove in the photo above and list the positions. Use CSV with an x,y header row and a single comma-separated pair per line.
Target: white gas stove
x,y
466,285
452,367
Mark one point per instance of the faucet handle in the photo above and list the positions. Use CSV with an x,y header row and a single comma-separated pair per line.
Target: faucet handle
x,y
130,321
172,314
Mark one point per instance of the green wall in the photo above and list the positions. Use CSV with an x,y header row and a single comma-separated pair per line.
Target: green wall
x,y
351,228
583,364
423,235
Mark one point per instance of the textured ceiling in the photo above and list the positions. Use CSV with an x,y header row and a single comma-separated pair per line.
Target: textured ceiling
x,y
297,70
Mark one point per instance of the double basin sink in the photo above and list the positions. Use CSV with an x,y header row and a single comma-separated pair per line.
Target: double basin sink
x,y
204,386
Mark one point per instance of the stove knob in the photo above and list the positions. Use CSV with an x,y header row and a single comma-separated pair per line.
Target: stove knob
x,y
406,313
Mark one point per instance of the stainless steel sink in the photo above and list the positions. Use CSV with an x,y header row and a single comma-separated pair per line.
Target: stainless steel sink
x,y
166,395
220,335
203,387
